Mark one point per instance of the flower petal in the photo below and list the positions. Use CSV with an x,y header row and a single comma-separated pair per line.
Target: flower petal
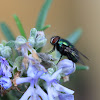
x,y
66,97
5,69
54,76
62,88
67,66
32,71
45,77
23,80
5,82
29,92
41,93
50,96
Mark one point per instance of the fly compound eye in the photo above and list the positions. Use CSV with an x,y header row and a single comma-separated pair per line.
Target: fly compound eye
x,y
54,40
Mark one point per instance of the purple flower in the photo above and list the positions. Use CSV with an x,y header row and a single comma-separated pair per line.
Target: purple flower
x,y
25,48
34,65
5,82
53,88
34,91
31,58
67,66
5,69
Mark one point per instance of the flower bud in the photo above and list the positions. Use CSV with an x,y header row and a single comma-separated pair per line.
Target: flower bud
x,y
40,39
31,40
6,51
50,71
20,40
4,42
33,32
67,66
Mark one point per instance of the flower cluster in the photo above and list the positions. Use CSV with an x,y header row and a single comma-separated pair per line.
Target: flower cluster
x,y
20,64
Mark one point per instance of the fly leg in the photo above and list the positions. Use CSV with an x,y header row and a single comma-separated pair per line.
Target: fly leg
x,y
51,50
59,59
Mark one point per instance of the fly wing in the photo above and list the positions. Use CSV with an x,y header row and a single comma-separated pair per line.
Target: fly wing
x,y
75,53
82,54
79,59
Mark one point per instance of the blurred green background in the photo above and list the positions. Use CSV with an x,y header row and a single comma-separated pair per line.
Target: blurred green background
x,y
64,16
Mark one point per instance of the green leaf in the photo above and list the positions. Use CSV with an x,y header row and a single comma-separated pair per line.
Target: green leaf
x,y
43,14
6,31
18,62
82,67
10,62
74,37
39,50
45,27
19,25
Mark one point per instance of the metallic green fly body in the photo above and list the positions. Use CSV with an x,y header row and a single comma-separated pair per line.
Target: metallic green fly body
x,y
66,49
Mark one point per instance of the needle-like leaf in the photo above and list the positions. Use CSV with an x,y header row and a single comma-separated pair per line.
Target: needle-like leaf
x,y
19,25
74,37
43,14
6,31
